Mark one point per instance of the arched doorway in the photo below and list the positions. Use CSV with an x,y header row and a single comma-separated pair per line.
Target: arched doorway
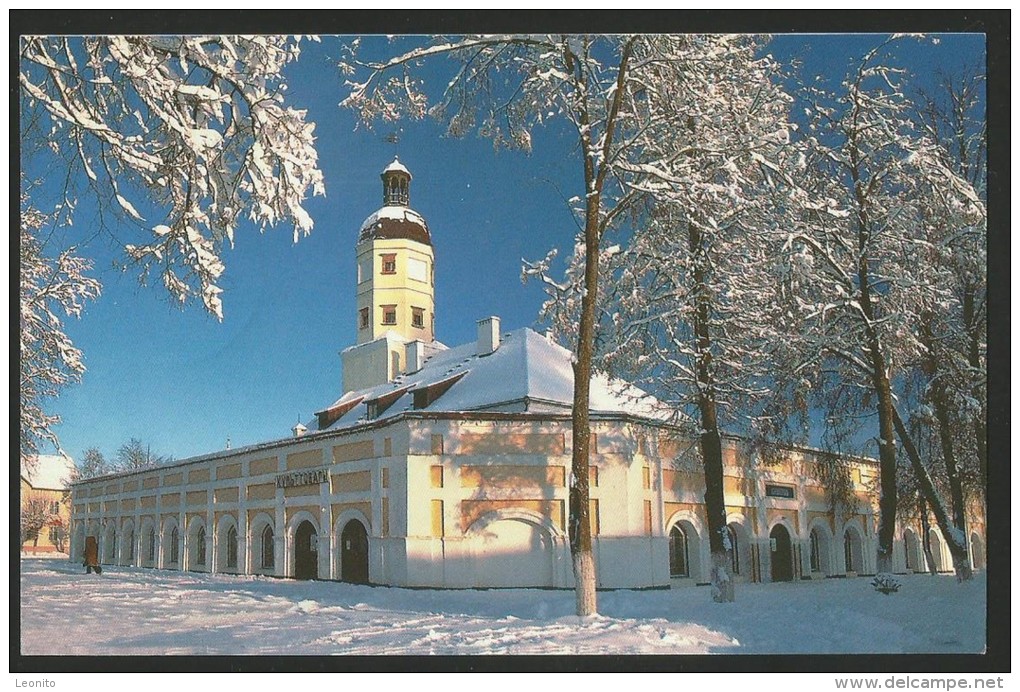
x,y
739,540
782,553
936,549
354,553
853,551
306,552
679,555
819,551
912,551
977,549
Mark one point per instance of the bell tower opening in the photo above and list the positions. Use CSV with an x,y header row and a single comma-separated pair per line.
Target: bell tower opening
x,y
396,185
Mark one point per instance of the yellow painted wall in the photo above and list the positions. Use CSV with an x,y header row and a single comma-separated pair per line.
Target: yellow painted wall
x,y
512,476
261,466
359,481
352,451
397,289
304,460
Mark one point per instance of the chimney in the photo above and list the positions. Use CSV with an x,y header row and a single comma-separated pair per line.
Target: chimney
x,y
414,355
488,335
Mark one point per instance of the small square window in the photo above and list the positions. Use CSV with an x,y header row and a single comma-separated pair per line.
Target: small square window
x,y
389,314
418,318
389,264
363,318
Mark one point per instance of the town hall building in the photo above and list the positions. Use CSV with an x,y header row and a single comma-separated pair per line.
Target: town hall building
x,y
449,467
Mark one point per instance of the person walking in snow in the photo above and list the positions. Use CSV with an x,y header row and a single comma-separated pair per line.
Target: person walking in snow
x,y
91,561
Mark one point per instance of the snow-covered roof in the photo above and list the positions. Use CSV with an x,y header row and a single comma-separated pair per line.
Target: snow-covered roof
x,y
397,166
395,221
393,213
50,472
528,372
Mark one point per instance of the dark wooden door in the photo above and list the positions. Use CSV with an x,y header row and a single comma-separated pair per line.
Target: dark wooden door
x,y
782,554
354,553
306,552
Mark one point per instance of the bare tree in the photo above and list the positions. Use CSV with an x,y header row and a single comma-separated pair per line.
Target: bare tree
x,y
134,456
689,302
92,465
865,291
35,515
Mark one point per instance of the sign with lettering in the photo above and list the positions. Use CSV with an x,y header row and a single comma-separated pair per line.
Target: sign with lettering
x,y
311,477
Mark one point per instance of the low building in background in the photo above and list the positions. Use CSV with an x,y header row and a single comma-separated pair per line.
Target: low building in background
x,y
45,503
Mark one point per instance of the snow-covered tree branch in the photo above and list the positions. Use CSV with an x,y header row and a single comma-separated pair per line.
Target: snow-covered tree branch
x,y
184,136
52,289
178,141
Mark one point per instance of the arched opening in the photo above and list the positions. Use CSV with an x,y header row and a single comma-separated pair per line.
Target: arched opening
x,y
110,546
306,551
912,551
197,553
740,551
679,557
150,547
819,551
977,551
267,555
354,553
936,549
512,551
231,548
782,553
853,551
225,548
127,552
174,549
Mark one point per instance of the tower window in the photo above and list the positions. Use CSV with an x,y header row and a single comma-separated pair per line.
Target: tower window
x,y
389,314
389,264
418,318
363,315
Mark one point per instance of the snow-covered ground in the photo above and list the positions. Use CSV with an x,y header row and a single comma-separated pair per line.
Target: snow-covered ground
x,y
129,611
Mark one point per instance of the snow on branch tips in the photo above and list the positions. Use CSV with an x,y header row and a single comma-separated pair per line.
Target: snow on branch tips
x,y
192,132
50,289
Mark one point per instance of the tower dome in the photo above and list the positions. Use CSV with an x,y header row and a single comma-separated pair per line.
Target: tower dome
x,y
395,220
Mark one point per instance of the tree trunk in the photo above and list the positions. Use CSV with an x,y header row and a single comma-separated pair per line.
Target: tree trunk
x,y
926,537
879,376
972,324
580,524
955,539
710,439
940,403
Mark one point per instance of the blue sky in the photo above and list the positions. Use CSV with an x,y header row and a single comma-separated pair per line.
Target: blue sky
x,y
185,383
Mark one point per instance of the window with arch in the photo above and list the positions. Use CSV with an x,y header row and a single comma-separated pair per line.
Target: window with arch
x,y
175,546
679,564
848,552
816,552
908,547
268,561
734,550
200,548
151,545
130,545
232,547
